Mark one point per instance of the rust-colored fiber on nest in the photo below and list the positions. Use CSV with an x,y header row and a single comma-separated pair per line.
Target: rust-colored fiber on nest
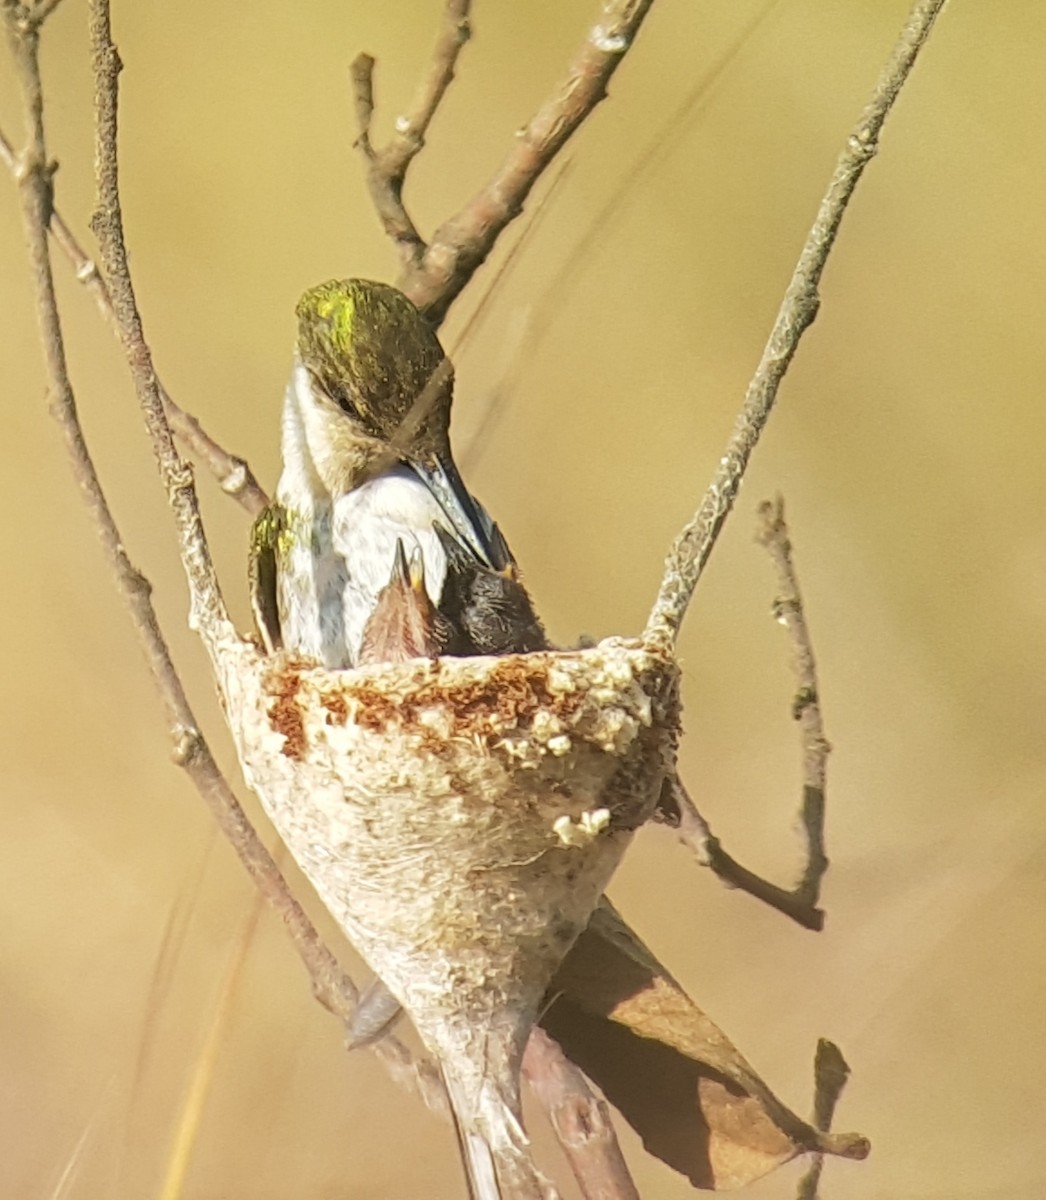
x,y
285,713
509,697
337,708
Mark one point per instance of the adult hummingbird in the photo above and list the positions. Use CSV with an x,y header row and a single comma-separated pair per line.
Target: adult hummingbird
x,y
367,468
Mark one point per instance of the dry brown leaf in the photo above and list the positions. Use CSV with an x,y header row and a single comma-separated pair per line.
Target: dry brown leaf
x,y
669,1070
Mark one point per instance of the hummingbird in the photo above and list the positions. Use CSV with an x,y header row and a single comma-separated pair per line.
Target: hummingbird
x,y
491,609
368,470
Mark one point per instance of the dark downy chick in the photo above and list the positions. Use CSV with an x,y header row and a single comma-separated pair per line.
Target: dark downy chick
x,y
490,610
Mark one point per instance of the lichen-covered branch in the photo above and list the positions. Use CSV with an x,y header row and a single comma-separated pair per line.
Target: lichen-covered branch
x,y
207,612
694,544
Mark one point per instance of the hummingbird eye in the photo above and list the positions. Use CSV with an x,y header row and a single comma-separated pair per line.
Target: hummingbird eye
x,y
342,396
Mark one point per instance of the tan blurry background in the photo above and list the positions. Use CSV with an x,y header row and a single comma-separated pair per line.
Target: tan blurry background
x,y
909,445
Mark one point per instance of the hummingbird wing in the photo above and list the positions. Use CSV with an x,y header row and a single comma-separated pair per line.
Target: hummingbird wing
x,y
262,576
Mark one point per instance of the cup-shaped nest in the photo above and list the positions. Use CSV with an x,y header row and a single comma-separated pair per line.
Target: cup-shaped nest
x,y
460,817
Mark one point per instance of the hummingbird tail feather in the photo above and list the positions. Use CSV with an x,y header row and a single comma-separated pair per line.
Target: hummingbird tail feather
x,y
495,1151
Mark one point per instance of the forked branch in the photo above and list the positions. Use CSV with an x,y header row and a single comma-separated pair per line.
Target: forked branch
x,y
800,902
387,167
433,275
233,473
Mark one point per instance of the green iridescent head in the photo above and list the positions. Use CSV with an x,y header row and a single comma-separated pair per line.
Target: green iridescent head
x,y
370,351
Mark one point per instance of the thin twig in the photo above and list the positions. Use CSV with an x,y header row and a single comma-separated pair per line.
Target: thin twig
x,y
387,168
806,704
233,473
830,1075
801,902
208,613
694,544
385,193
580,1120
695,832
434,275
412,127
597,233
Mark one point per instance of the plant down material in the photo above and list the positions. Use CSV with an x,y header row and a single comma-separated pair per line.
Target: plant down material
x,y
460,818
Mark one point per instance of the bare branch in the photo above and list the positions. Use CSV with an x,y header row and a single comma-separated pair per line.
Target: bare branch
x,y
386,192
580,1120
412,127
801,902
207,608
434,275
830,1075
694,831
806,705
233,473
387,168
694,544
